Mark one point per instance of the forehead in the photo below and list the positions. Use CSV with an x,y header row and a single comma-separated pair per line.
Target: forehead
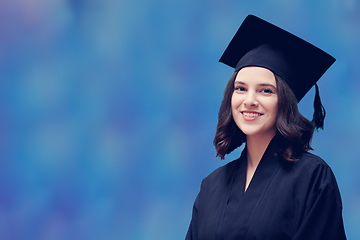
x,y
256,75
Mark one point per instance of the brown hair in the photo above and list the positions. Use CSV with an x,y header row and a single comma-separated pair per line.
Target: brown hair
x,y
296,130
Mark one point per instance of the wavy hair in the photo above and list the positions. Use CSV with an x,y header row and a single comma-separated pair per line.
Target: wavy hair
x,y
297,131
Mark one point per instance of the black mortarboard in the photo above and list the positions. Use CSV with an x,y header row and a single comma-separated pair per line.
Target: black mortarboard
x,y
299,63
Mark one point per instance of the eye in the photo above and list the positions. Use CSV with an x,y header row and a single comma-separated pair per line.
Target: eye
x,y
239,88
267,90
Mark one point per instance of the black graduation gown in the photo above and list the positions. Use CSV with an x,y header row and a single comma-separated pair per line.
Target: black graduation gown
x,y
285,200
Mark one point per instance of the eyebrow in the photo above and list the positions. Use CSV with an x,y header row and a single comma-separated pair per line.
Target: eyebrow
x,y
261,84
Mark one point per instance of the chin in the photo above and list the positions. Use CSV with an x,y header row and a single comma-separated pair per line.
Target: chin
x,y
260,133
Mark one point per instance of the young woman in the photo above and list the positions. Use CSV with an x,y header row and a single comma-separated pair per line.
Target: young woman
x,y
276,189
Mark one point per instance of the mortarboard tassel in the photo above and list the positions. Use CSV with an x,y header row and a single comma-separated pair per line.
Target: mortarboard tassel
x,y
319,110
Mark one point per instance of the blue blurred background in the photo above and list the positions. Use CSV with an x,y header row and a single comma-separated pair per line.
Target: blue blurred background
x,y
109,108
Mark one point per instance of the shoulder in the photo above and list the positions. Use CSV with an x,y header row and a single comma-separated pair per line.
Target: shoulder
x,y
312,170
223,173
311,162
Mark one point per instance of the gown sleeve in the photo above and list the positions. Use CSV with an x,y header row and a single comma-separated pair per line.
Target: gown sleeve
x,y
191,234
323,216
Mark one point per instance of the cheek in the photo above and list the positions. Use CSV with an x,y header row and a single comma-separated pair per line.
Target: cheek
x,y
275,109
272,105
235,101
272,108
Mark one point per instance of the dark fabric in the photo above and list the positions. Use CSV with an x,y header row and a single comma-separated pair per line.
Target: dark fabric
x,y
285,200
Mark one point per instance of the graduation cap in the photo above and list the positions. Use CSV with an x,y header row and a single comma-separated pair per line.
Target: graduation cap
x,y
301,64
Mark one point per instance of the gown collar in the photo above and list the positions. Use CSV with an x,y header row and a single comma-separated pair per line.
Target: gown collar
x,y
247,202
268,165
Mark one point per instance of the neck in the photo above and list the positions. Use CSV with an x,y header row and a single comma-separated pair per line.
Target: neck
x,y
256,146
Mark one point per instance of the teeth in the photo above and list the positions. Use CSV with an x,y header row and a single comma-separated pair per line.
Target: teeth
x,y
251,114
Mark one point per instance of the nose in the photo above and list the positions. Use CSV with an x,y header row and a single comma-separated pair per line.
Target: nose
x,y
250,100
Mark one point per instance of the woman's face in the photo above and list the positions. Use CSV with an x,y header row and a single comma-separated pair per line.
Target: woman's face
x,y
254,101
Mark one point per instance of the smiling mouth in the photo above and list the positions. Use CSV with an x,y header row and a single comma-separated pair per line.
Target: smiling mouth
x,y
252,114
